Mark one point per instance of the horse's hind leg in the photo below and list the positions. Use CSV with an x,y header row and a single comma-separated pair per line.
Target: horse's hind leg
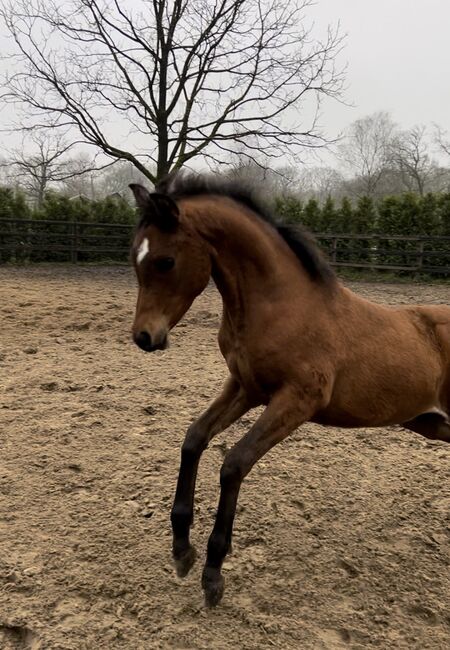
x,y
434,426
231,404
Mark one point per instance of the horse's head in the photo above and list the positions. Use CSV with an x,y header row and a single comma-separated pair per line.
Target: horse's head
x,y
172,265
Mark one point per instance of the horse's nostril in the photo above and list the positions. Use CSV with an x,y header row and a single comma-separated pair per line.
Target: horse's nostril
x,y
144,341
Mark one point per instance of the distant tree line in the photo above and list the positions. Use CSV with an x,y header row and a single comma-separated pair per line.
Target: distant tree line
x,y
374,157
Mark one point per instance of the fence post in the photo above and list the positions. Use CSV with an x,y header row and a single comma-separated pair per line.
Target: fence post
x,y
28,244
420,255
74,243
16,244
334,250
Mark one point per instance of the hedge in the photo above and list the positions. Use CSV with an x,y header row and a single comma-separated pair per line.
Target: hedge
x,y
37,241
407,214
403,215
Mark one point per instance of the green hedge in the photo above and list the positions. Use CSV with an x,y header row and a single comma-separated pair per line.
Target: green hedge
x,y
403,215
43,242
12,206
407,214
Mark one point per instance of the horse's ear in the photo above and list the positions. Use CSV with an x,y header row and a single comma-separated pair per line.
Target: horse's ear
x,y
141,195
156,208
164,211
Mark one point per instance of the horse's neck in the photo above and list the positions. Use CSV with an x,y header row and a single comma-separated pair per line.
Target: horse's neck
x,y
251,263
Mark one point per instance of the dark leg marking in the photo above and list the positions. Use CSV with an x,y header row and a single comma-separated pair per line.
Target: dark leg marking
x,y
434,426
282,415
228,407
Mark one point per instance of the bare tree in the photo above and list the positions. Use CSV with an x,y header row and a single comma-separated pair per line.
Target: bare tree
x,y
366,150
441,176
42,162
267,182
98,185
442,139
5,172
117,179
320,183
285,180
439,180
84,183
410,156
188,77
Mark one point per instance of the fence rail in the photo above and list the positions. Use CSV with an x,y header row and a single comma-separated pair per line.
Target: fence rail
x,y
33,240
414,254
28,240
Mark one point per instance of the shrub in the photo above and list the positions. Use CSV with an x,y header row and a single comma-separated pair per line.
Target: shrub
x,y
92,224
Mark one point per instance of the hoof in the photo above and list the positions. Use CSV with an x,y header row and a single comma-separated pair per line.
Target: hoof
x,y
213,588
185,562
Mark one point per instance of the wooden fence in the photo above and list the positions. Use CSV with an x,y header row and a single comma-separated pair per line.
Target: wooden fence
x,y
29,241
415,254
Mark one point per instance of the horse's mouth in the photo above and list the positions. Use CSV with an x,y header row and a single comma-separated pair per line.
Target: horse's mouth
x,y
161,346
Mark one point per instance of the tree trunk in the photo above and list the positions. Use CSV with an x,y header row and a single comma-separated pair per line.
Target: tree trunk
x,y
163,152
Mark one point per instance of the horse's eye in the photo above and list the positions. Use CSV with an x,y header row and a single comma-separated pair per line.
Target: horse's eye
x,y
164,264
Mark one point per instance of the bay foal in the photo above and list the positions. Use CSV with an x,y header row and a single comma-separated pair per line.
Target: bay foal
x,y
294,340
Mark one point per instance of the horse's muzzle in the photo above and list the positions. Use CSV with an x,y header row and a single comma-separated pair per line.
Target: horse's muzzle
x,y
145,342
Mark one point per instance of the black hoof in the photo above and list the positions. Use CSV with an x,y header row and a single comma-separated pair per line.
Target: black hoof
x,y
185,562
213,588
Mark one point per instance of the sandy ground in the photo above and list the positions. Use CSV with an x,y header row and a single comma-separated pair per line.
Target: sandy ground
x,y
342,538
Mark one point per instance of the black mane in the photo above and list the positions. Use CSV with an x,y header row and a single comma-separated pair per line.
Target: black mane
x,y
297,237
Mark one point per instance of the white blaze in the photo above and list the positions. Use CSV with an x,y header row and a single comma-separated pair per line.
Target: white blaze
x,y
142,250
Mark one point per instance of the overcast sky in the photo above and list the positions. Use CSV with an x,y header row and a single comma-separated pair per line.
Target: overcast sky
x,y
398,55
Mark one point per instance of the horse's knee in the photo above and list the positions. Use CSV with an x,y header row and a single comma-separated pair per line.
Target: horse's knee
x,y
231,472
194,444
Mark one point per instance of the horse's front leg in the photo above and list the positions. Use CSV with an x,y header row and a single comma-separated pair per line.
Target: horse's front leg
x,y
282,415
231,404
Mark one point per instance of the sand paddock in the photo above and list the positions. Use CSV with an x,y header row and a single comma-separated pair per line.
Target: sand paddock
x,y
342,537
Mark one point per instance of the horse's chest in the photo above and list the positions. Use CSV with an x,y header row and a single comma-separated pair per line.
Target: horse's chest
x,y
240,367
244,367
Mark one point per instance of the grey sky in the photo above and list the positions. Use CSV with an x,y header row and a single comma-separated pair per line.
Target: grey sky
x,y
398,54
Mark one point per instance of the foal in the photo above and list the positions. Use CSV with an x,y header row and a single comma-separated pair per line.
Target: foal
x,y
293,337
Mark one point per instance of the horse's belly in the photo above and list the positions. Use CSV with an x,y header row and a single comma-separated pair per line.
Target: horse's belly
x,y
335,417
385,393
